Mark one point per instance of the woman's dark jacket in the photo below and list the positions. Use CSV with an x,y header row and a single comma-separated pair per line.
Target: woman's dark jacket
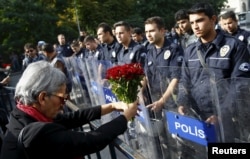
x,y
57,140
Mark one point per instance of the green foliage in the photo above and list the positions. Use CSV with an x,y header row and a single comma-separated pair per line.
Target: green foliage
x,y
23,21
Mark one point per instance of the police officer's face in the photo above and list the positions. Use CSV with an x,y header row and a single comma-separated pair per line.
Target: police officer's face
x,y
229,25
101,35
153,34
184,25
61,40
202,25
75,49
122,35
91,45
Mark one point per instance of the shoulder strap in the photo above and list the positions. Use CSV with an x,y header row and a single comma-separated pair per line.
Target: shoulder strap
x,y
201,58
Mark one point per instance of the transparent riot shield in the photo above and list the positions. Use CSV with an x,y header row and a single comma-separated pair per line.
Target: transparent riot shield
x,y
184,135
100,88
140,135
89,77
143,134
79,94
234,108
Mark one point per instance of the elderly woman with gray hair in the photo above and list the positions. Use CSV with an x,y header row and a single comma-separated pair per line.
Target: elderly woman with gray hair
x,y
38,128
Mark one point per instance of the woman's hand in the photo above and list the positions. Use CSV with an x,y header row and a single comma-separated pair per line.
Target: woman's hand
x,y
128,109
131,110
119,106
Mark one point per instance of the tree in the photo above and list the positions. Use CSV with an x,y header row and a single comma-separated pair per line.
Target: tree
x,y
167,8
25,21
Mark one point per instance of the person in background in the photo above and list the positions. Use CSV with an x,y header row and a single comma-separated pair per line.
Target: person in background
x,y
108,41
63,49
31,55
186,37
79,51
80,41
56,61
138,36
83,33
93,49
131,52
229,24
39,129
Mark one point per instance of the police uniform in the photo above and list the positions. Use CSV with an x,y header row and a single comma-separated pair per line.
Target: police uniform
x,y
135,53
225,56
111,50
82,53
97,54
187,39
64,50
27,60
242,35
162,65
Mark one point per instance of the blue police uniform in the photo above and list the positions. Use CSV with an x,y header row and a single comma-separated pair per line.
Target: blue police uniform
x,y
81,53
110,51
134,54
64,50
97,54
162,65
242,35
225,56
27,60
187,39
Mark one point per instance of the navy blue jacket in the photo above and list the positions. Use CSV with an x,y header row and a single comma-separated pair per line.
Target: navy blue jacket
x,y
162,66
56,139
134,54
111,51
226,57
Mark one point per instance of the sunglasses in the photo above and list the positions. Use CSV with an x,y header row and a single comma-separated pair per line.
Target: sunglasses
x,y
63,98
31,50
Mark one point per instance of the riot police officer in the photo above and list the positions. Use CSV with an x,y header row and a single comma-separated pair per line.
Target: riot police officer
x,y
131,52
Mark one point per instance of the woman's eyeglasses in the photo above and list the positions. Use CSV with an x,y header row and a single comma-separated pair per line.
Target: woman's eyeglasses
x,y
63,98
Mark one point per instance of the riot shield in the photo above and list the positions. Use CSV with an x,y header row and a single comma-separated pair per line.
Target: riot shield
x,y
234,109
140,135
145,134
184,135
79,94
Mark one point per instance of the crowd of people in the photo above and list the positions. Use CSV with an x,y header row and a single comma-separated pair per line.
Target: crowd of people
x,y
194,42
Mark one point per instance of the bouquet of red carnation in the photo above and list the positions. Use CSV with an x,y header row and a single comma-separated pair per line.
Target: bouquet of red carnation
x,y
124,80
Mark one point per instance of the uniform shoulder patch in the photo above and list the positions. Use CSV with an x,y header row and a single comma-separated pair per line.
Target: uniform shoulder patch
x,y
244,67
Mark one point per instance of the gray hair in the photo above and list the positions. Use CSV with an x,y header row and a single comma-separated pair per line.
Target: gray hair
x,y
37,77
